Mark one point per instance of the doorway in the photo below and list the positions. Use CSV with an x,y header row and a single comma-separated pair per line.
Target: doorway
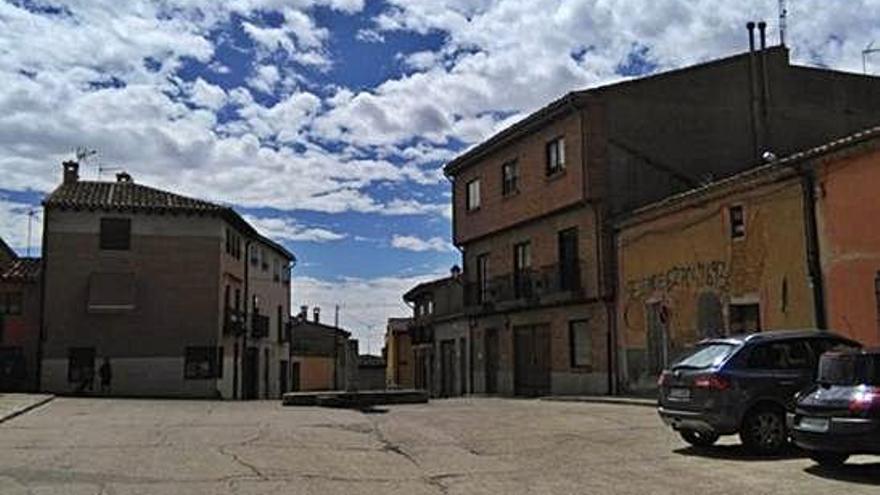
x,y
531,351
492,361
250,373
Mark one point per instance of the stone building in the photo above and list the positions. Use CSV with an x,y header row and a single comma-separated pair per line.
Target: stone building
x,y
323,356
178,296
440,334
533,206
781,246
400,371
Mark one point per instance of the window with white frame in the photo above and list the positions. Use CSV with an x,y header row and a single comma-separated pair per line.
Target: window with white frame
x,y
555,156
473,194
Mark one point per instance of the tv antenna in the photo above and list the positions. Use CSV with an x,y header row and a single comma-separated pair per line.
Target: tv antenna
x,y
83,153
868,51
783,21
31,213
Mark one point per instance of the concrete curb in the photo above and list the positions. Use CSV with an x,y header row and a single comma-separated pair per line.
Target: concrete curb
x,y
621,401
18,411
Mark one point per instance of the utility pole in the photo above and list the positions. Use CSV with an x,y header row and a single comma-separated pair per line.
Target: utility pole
x,y
783,21
30,214
867,51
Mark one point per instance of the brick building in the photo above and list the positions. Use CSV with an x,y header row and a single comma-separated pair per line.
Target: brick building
x,y
19,321
179,296
533,205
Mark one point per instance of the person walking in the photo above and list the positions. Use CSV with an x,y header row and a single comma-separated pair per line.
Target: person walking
x,y
105,374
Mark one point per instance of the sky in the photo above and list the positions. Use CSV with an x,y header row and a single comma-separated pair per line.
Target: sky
x,y
326,123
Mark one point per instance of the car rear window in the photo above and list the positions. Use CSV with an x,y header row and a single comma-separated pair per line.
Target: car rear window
x,y
849,369
705,356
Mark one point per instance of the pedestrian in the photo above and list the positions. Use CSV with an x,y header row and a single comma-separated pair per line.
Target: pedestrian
x,y
106,374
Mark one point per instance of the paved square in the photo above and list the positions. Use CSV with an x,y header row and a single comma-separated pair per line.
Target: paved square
x,y
467,446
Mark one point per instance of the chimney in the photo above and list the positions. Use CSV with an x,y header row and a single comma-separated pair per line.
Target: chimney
x,y
762,28
317,314
304,313
455,271
71,172
124,177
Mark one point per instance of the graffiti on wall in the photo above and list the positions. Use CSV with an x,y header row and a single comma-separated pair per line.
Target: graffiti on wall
x,y
696,275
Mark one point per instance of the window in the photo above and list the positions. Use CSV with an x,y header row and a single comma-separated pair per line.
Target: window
x,y
473,195
81,366
115,234
737,222
237,299
522,262
11,303
482,278
555,156
509,176
255,255
793,355
203,363
233,243
279,315
264,257
744,318
569,267
276,270
581,344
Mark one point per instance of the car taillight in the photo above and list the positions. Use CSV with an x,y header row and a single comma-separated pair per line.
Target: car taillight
x,y
712,382
663,379
865,399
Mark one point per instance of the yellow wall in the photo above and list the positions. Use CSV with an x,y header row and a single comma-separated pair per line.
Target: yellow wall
x,y
676,255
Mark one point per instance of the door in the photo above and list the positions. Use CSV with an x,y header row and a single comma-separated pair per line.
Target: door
x,y
294,377
462,366
569,268
283,375
492,361
531,351
657,340
447,368
250,373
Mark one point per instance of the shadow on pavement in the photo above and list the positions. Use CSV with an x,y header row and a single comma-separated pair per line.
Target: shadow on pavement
x,y
866,474
738,453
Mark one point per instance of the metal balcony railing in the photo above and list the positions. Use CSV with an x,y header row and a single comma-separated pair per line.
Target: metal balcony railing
x,y
259,326
529,284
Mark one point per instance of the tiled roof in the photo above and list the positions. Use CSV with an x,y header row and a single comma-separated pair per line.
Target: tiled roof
x,y
22,269
126,195
120,195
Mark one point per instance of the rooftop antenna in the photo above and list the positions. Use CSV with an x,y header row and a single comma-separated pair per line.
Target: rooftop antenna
x,y
783,21
30,214
867,51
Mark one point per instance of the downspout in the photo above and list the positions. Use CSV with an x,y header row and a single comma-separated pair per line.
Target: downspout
x,y
43,264
247,303
814,263
753,93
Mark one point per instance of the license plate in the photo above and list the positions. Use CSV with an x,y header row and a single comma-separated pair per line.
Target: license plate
x,y
818,425
680,394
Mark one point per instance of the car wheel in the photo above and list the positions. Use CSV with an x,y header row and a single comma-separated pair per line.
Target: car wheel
x,y
763,431
828,459
698,438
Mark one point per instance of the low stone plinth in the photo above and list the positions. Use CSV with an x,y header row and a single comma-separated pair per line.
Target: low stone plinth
x,y
355,399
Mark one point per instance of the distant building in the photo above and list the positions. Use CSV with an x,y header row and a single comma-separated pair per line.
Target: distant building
x,y
399,354
181,297
371,373
324,357
19,321
780,246
439,333
534,205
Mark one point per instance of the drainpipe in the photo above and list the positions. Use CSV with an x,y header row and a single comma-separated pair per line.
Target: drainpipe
x,y
246,302
753,93
814,263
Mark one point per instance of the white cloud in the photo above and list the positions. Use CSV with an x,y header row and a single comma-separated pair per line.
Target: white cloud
x,y
414,243
365,303
207,95
370,36
265,78
285,229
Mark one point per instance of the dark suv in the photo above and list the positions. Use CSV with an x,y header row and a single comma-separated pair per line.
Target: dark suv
x,y
742,384
840,415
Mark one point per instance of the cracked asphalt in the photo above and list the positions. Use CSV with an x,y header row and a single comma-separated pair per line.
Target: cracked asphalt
x,y
463,446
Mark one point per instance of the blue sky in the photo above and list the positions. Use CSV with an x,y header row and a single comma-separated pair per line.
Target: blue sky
x,y
327,122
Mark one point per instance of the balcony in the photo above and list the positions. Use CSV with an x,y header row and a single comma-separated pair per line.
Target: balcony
x,y
233,322
534,286
259,326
